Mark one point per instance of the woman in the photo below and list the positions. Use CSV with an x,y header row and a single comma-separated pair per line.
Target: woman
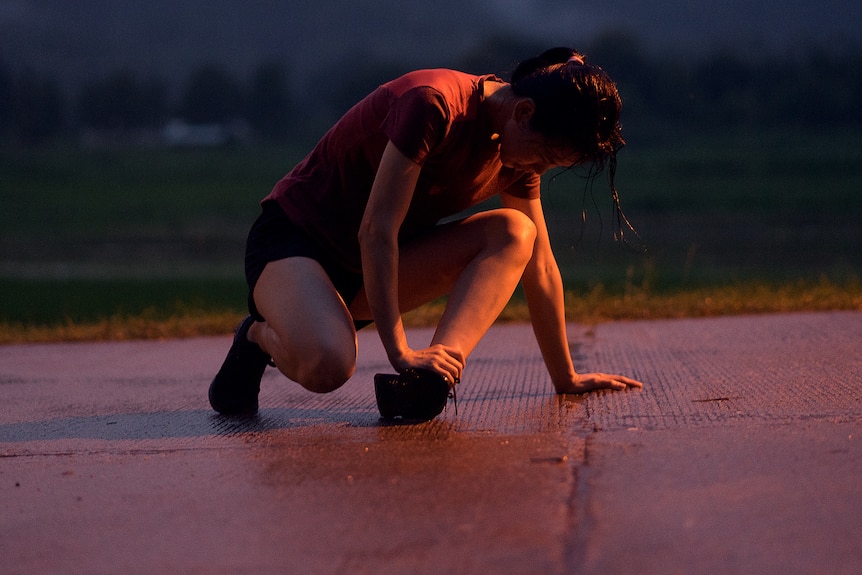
x,y
352,234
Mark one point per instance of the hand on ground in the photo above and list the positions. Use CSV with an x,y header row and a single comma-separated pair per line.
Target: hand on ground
x,y
586,382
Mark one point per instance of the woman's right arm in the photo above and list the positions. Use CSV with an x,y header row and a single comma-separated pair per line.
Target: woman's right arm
x,y
387,207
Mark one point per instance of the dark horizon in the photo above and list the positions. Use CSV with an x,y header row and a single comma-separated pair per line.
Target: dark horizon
x,y
84,40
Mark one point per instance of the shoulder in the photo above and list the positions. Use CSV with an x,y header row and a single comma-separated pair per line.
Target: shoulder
x,y
441,79
425,104
458,90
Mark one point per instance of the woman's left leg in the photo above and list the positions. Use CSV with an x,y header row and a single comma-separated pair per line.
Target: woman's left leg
x,y
477,261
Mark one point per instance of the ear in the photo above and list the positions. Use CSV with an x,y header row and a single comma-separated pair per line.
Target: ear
x,y
523,113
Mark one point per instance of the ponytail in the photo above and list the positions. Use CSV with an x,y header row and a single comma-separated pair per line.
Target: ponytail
x,y
544,60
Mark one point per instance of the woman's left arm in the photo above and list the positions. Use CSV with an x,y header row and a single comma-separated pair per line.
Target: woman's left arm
x,y
543,289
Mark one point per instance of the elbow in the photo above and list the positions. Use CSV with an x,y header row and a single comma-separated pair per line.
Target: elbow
x,y
543,269
543,277
367,232
373,236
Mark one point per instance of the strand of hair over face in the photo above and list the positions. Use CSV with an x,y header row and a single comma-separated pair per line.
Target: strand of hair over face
x,y
619,216
620,221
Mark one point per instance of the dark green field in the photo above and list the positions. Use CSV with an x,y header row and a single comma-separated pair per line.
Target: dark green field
x,y
89,235
778,206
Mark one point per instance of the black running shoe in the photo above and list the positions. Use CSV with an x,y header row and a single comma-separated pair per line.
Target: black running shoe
x,y
235,388
412,395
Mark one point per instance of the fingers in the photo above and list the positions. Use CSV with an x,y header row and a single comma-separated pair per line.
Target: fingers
x,y
455,362
445,360
450,362
627,381
595,381
619,382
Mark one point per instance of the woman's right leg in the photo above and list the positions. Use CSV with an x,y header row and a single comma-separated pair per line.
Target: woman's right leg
x,y
308,331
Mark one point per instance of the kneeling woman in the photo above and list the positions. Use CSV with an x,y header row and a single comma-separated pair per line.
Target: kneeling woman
x,y
352,235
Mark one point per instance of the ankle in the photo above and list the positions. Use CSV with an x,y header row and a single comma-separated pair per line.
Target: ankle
x,y
254,333
257,335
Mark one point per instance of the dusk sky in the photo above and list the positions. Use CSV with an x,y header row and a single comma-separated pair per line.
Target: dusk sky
x,y
91,37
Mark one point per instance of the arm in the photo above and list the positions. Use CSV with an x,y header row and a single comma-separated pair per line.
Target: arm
x,y
543,289
378,240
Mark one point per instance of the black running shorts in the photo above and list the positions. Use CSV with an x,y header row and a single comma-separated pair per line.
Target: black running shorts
x,y
274,237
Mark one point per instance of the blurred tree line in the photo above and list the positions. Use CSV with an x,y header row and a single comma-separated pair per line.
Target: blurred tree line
x,y
34,109
812,87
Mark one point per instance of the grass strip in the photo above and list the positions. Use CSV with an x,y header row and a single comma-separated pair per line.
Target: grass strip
x,y
595,306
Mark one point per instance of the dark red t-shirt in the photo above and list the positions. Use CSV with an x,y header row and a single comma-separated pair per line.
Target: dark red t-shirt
x,y
435,118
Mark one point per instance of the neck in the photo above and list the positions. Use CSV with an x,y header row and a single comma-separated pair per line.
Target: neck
x,y
499,101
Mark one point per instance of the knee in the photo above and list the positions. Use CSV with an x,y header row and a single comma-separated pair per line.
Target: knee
x,y
327,376
322,368
515,233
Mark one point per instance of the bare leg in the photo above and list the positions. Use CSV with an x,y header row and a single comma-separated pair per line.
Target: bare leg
x,y
478,262
308,331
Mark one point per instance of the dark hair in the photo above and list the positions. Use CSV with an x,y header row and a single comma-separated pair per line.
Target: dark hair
x,y
577,105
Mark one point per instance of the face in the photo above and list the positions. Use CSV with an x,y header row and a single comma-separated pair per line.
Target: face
x,y
525,149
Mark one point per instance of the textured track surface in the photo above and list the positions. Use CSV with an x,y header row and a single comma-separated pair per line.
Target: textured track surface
x,y
742,454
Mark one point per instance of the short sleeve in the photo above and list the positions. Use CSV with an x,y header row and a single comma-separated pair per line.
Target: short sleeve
x,y
417,121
